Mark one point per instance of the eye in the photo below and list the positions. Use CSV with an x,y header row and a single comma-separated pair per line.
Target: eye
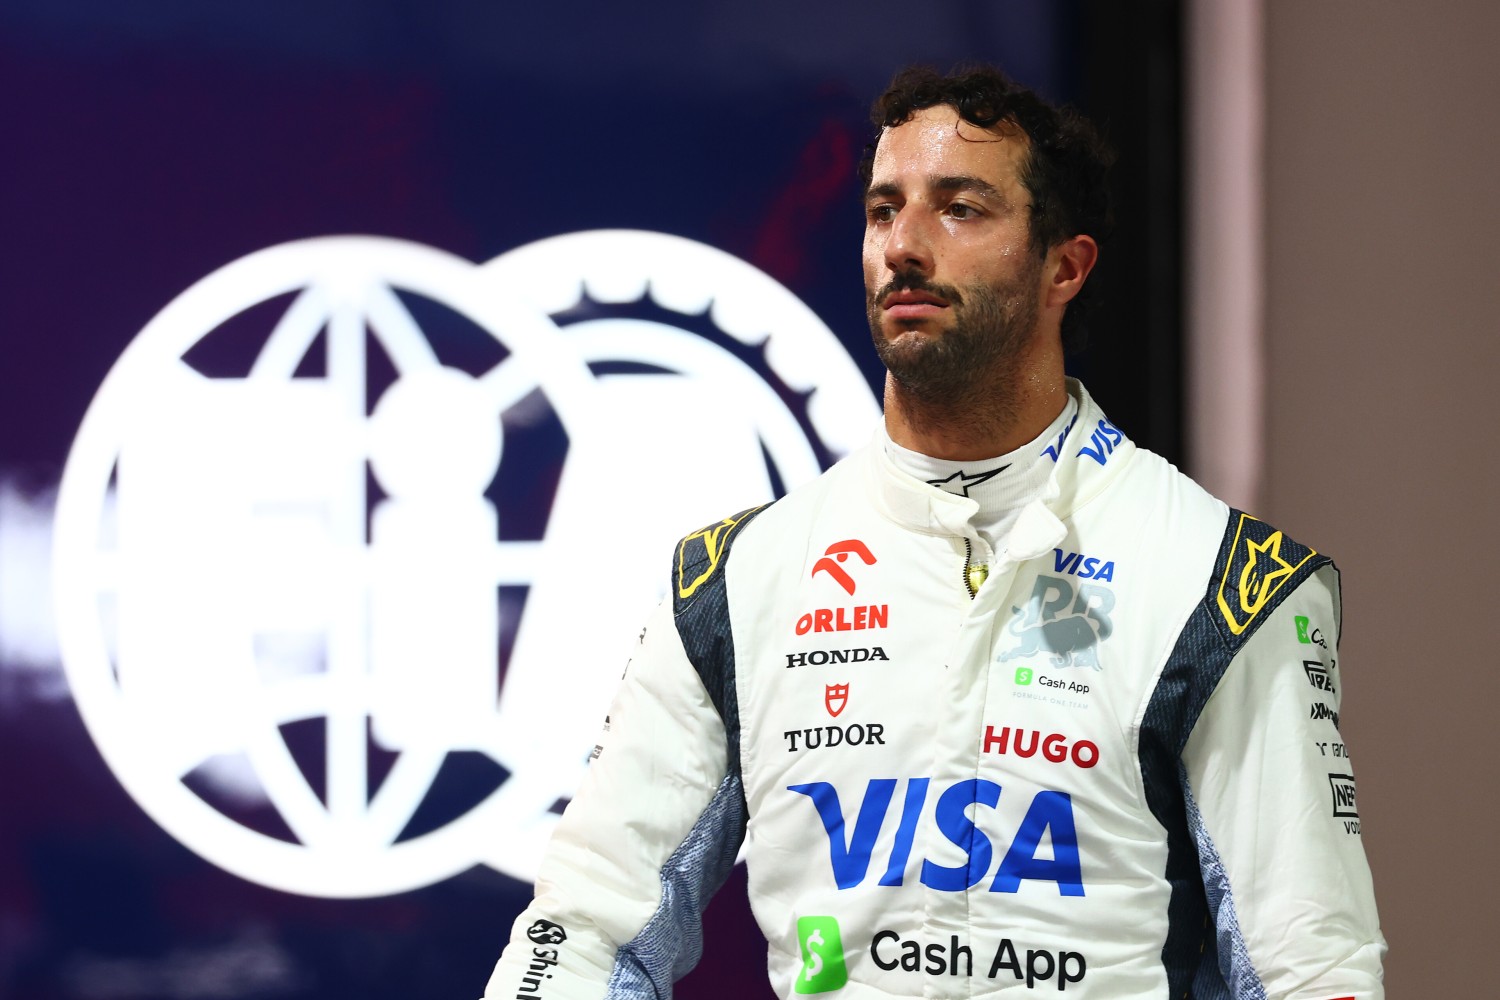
x,y
881,213
960,210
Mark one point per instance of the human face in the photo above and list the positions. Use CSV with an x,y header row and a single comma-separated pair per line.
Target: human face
x,y
952,282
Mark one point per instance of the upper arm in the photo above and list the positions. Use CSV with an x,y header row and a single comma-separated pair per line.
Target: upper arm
x,y
1270,797
615,877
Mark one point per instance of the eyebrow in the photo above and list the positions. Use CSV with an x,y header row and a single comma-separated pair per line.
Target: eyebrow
x,y
958,182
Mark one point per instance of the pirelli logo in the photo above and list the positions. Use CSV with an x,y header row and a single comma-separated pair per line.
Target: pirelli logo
x,y
1260,563
698,554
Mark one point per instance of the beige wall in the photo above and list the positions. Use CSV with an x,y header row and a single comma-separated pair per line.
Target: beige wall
x,y
1383,330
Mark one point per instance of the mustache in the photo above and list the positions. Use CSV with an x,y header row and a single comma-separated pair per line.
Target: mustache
x,y
913,281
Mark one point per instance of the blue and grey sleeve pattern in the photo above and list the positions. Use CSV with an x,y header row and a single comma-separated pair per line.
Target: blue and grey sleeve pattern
x,y
1257,568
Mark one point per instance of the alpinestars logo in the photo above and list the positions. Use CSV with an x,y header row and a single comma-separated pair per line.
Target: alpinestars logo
x,y
1260,563
1066,623
837,553
961,482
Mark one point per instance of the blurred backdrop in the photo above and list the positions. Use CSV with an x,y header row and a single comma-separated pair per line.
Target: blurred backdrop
x,y
362,361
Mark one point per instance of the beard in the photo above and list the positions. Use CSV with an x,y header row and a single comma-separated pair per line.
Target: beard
x,y
968,368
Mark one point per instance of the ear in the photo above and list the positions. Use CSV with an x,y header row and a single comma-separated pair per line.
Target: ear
x,y
1071,261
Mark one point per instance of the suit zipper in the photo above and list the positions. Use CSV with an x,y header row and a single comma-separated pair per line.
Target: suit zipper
x,y
969,570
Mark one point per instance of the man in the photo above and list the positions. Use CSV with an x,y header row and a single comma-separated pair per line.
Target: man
x,y
1008,703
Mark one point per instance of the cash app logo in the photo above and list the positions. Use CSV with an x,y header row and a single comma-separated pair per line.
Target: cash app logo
x,y
1302,635
822,955
1023,675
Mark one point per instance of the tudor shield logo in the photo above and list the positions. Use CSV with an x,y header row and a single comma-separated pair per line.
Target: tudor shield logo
x,y
835,698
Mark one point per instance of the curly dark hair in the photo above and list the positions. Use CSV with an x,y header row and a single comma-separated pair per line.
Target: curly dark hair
x,y
1067,163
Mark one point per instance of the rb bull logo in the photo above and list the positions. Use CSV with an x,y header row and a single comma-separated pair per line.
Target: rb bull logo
x,y
1067,623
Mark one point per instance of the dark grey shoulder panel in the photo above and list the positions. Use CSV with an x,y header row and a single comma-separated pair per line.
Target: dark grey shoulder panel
x,y
1256,569
672,940
700,605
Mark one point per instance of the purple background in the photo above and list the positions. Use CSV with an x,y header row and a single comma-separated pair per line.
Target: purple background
x,y
148,145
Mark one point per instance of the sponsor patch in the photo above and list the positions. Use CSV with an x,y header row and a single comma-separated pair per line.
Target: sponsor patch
x,y
1081,565
1318,676
1062,621
1321,711
546,932
835,698
855,619
961,482
1342,788
1055,747
1260,563
856,734
838,553
890,951
820,657
822,948
1043,848
698,554
1308,634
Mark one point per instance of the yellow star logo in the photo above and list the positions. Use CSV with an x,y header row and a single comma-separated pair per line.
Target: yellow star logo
x,y
1257,571
713,540
1263,573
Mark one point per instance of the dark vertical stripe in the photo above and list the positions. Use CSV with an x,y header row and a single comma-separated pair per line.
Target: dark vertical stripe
x,y
1204,650
702,620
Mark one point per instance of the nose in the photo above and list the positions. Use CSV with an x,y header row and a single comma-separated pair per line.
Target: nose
x,y
908,244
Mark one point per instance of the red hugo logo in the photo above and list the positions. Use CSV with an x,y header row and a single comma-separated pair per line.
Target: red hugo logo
x,y
838,553
1055,748
835,698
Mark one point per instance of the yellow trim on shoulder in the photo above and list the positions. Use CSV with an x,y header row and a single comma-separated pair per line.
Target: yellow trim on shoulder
x,y
715,542
1254,588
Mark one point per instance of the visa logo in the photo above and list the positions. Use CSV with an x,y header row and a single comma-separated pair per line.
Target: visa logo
x,y
951,811
1102,442
1053,450
1080,565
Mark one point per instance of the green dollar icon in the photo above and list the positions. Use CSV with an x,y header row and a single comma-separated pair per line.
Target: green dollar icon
x,y
1302,635
822,955
1023,675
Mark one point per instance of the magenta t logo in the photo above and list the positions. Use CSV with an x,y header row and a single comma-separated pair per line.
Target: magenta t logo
x,y
837,553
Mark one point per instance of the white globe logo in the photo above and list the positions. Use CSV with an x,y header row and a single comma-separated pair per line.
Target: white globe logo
x,y
236,555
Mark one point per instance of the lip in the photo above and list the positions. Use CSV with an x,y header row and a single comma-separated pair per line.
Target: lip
x,y
913,304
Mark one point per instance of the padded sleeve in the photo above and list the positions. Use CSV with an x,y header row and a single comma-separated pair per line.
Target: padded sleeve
x,y
651,834
1270,799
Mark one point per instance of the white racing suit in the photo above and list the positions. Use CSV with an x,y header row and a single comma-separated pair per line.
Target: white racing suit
x,y
1114,772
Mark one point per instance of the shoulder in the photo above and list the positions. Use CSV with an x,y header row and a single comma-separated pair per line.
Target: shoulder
x,y
1258,567
701,555
1252,565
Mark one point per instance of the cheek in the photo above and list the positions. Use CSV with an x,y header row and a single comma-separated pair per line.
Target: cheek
x,y
873,259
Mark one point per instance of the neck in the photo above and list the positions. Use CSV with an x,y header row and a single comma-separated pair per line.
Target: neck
x,y
994,414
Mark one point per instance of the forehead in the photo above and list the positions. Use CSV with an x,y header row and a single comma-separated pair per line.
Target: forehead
x,y
935,142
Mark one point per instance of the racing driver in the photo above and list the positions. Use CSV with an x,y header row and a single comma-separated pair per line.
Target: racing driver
x,y
999,704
